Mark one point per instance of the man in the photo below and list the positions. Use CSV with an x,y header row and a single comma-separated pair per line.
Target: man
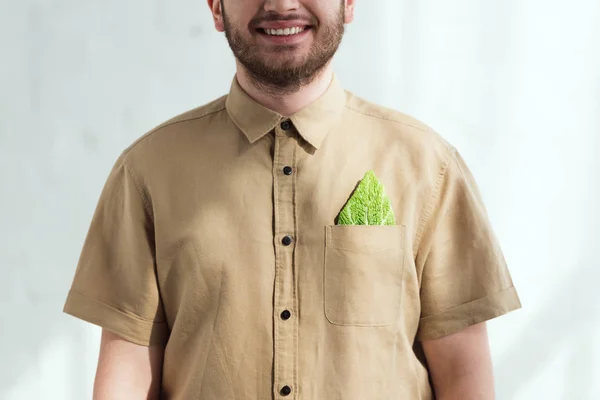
x,y
215,264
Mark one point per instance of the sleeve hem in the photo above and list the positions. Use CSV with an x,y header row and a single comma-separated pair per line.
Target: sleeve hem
x,y
134,329
465,315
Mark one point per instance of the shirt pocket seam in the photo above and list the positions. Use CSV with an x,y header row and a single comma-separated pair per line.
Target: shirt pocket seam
x,y
340,320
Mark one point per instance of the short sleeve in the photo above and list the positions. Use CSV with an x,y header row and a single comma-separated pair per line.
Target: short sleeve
x,y
115,283
465,279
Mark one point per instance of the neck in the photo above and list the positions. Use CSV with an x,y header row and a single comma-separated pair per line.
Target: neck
x,y
288,103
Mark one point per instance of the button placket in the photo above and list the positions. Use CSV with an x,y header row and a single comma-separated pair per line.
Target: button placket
x,y
285,327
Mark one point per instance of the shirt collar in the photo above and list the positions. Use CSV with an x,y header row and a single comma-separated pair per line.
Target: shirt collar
x,y
312,122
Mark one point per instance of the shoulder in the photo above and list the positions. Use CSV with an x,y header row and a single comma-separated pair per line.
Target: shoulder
x,y
199,114
415,135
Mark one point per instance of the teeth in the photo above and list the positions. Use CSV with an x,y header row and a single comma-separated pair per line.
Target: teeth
x,y
284,32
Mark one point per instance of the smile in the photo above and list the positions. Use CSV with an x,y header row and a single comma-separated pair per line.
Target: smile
x,y
284,32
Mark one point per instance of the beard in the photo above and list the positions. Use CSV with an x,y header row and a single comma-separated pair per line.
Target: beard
x,y
291,75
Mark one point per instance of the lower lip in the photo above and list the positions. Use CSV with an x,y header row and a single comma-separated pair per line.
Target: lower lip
x,y
283,39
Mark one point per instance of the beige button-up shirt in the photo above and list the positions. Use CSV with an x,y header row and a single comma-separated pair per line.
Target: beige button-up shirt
x,y
215,235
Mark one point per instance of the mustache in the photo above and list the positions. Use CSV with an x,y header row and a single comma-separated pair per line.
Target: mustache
x,y
272,17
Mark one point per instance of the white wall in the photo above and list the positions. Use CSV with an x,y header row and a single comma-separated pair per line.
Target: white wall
x,y
515,85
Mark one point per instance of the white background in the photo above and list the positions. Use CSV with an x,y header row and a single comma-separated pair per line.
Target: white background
x,y
514,85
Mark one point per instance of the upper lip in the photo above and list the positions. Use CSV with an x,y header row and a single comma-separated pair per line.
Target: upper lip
x,y
282,24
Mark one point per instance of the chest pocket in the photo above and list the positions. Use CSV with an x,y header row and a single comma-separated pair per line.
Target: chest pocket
x,y
362,276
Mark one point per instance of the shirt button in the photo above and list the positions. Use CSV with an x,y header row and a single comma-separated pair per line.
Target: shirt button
x,y
285,390
287,170
285,314
286,240
285,125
